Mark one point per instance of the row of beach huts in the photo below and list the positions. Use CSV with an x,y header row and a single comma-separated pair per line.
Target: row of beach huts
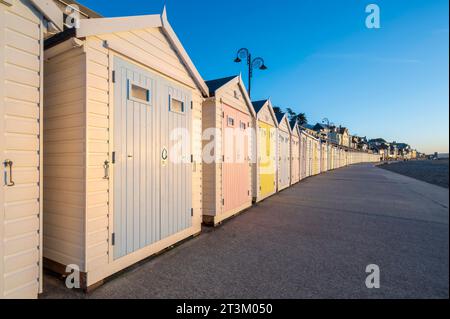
x,y
87,116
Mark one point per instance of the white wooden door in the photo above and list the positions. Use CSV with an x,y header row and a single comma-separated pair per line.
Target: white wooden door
x,y
135,159
176,168
284,159
152,185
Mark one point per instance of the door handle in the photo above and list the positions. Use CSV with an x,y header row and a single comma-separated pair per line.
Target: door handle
x,y
8,181
106,167
164,154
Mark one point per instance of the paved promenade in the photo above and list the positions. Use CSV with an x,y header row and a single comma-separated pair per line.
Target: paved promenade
x,y
313,240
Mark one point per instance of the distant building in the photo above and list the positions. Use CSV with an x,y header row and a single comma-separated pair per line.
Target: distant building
x,y
381,147
310,129
393,151
382,150
344,137
353,141
403,150
361,143
323,131
377,142
334,136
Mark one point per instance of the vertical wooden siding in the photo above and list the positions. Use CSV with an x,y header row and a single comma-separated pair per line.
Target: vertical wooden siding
x,y
283,155
267,162
295,158
227,97
235,170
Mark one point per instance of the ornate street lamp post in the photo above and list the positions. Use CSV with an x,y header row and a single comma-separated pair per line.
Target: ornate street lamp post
x,y
256,63
326,120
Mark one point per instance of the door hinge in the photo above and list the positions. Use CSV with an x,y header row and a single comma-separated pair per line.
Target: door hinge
x,y
114,76
192,105
113,239
192,212
248,193
223,201
192,158
113,159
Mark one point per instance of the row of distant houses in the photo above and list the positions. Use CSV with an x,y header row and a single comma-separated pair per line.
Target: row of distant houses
x,y
393,150
340,135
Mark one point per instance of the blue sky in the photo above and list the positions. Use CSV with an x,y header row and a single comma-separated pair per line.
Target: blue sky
x,y
390,82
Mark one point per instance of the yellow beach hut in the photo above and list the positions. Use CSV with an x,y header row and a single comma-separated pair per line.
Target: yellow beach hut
x,y
265,163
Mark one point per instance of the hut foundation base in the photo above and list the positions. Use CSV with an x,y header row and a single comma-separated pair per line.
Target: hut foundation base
x,y
90,281
262,197
216,220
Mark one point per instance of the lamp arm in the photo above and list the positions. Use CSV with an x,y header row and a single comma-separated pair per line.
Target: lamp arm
x,y
243,50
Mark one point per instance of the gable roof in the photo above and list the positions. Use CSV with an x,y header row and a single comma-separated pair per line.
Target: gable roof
x,y
293,123
279,115
96,26
219,84
282,116
294,126
258,105
214,85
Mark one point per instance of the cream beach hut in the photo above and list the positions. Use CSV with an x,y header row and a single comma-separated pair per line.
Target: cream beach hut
x,y
323,156
295,152
303,154
315,156
228,120
23,27
265,166
329,156
123,165
283,151
309,144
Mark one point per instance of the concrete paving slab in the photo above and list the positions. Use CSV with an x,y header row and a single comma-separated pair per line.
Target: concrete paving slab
x,y
312,240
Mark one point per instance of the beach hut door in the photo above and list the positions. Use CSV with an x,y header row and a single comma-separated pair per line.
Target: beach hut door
x,y
176,167
152,188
